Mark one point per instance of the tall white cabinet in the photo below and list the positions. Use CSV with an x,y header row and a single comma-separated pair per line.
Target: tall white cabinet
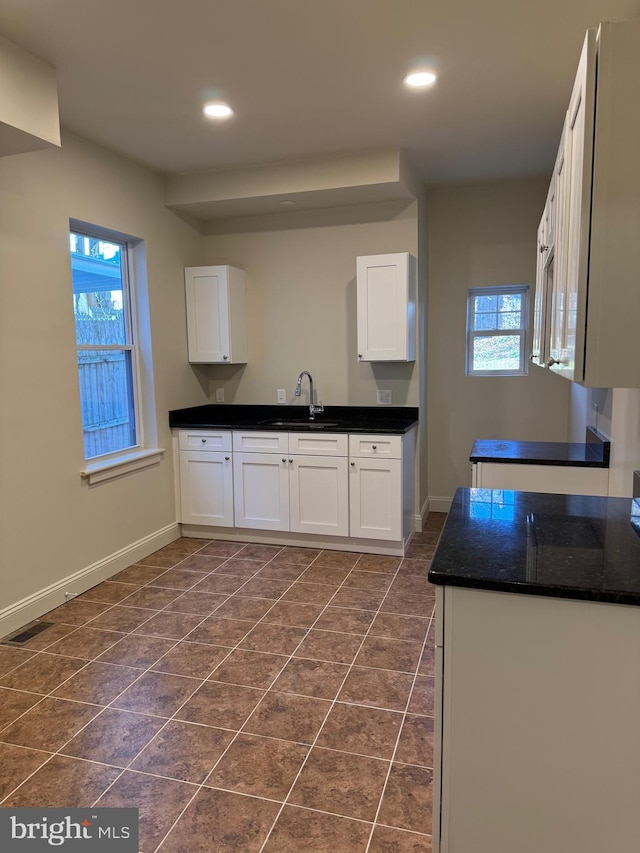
x,y
386,294
216,323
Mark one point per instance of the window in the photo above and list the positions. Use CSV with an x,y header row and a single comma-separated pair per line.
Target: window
x,y
105,342
497,323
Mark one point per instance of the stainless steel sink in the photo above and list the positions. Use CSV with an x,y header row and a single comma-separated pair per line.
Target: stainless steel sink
x,y
296,424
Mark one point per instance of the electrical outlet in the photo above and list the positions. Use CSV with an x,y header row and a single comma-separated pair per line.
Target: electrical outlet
x,y
384,397
219,395
281,396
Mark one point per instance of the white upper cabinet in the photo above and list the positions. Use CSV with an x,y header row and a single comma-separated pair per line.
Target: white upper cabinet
x,y
216,324
386,307
593,297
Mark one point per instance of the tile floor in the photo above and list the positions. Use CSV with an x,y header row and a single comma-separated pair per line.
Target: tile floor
x,y
243,697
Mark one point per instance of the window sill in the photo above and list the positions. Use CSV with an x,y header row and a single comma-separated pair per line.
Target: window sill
x,y
116,466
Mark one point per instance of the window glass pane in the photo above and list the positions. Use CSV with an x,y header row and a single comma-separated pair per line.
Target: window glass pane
x,y
106,396
485,321
498,352
98,291
486,303
509,321
510,302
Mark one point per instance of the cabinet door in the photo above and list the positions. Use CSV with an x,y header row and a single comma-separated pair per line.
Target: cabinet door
x,y
386,308
207,294
319,495
261,491
206,488
538,340
375,498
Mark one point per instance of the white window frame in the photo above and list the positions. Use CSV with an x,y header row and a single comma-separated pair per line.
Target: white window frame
x,y
522,332
107,466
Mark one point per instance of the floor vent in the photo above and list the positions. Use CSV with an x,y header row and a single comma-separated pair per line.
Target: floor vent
x,y
27,634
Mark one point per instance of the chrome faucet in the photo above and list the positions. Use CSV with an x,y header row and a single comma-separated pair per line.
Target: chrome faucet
x,y
313,409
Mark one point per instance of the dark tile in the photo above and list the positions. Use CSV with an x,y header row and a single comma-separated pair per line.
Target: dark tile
x,y
251,669
241,568
137,651
220,632
138,574
329,645
259,552
355,788
173,626
281,715
406,584
151,597
301,829
366,731
327,575
108,592
75,612
416,551
435,521
309,593
338,559
121,618
43,673
386,653
183,751
157,693
347,621
377,688
427,661
220,584
160,802
224,822
46,638
17,764
414,567
98,683
281,571
293,614
408,799
276,639
359,599
160,560
375,581
416,741
11,657
63,783
298,556
422,696
378,563
222,549
263,767
197,660
226,706
200,603
407,604
115,737
400,627
85,643
13,703
264,588
320,679
237,607
49,724
388,840
181,579
185,545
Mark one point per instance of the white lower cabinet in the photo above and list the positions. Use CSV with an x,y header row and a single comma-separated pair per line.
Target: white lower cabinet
x,y
557,479
375,498
261,490
319,495
206,478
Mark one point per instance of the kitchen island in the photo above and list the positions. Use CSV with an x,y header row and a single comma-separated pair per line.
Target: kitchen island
x,y
537,742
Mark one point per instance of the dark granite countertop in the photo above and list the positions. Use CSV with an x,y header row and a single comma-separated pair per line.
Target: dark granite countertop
x,y
564,546
594,453
362,419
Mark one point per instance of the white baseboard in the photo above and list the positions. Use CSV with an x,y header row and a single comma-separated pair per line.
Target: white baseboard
x,y
439,504
33,606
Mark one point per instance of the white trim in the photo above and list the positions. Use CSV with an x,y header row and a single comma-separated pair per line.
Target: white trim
x,y
440,504
33,606
115,466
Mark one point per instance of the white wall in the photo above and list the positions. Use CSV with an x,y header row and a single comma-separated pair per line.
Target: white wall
x,y
480,236
52,523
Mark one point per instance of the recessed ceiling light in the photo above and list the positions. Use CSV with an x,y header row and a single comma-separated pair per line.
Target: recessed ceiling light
x,y
418,79
218,110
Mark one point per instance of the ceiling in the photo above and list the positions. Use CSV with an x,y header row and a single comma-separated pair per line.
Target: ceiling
x,y
315,78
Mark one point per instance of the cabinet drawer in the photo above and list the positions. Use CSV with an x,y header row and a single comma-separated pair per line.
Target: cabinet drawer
x,y
205,439
384,446
318,444
261,442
